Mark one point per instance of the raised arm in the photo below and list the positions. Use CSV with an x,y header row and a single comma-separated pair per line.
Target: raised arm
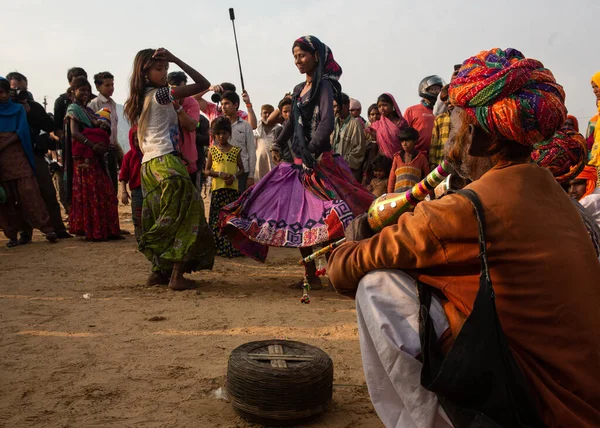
x,y
200,82
251,115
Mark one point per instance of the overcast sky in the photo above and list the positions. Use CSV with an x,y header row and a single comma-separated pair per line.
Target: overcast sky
x,y
382,46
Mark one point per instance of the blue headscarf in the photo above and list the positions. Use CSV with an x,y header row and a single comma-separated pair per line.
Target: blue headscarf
x,y
14,119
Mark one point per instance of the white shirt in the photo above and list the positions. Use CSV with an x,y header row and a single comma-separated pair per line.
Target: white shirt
x,y
162,130
242,136
101,102
591,203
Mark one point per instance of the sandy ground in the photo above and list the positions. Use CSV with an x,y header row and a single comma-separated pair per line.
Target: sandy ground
x,y
147,357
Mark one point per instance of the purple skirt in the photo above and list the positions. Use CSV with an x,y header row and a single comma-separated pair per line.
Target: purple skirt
x,y
291,208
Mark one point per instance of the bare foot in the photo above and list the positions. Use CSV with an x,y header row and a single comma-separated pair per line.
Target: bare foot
x,y
182,284
315,284
156,278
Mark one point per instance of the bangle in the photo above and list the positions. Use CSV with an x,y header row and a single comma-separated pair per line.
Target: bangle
x,y
179,110
249,105
86,142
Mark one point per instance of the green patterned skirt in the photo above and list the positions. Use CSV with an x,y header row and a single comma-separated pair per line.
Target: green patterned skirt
x,y
174,227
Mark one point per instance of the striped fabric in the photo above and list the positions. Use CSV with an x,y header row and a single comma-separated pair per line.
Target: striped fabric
x,y
406,178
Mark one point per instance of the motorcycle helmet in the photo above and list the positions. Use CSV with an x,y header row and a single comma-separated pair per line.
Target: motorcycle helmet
x,y
427,83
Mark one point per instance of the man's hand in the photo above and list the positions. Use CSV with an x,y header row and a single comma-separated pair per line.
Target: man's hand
x,y
359,229
245,97
216,88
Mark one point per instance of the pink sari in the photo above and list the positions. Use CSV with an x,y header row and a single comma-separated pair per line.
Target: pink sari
x,y
387,132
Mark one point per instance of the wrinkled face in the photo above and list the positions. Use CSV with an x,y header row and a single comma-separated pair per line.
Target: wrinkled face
x,y
229,109
107,87
157,74
222,137
385,109
596,90
355,112
4,96
577,189
264,114
286,110
305,61
82,95
408,145
374,115
457,147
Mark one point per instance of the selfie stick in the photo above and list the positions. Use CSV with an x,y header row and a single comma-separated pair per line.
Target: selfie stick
x,y
232,17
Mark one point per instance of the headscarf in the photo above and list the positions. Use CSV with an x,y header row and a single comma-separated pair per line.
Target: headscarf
x,y
590,174
388,131
595,153
306,114
575,122
565,154
512,97
14,119
355,104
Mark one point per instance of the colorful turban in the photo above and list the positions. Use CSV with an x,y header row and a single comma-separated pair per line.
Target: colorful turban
x,y
575,122
596,79
565,154
512,97
590,174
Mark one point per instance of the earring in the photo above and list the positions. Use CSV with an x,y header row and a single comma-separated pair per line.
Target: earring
x,y
146,80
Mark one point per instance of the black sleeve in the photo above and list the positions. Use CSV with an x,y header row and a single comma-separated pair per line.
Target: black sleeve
x,y
321,138
60,110
286,133
202,134
39,117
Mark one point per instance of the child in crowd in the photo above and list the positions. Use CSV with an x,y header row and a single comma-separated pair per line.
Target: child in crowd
x,y
225,165
372,152
130,175
381,167
409,166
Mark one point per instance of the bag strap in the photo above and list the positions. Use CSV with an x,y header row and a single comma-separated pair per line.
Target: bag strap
x,y
485,271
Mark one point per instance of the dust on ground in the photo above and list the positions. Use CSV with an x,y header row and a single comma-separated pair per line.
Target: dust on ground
x,y
126,355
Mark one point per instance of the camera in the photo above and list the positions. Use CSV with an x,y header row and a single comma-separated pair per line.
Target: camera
x,y
19,95
215,98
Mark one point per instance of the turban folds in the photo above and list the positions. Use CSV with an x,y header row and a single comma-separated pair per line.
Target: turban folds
x,y
510,96
590,174
565,154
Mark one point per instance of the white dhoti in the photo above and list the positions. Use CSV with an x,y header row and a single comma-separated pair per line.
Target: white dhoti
x,y
387,308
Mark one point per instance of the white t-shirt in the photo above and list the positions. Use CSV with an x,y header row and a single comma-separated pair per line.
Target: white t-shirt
x,y
591,203
162,130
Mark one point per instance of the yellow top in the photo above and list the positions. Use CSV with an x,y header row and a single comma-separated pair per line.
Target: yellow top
x,y
224,162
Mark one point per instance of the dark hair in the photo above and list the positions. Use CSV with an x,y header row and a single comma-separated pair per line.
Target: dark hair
x,y
304,46
75,72
444,93
221,124
371,108
228,87
99,78
382,163
15,75
137,85
268,107
79,82
344,99
385,98
5,84
177,78
408,134
284,102
231,96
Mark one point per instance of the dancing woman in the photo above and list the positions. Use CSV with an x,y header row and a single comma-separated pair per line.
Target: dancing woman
x,y
312,200
175,235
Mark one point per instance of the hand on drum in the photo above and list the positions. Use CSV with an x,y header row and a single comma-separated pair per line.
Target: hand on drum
x,y
359,229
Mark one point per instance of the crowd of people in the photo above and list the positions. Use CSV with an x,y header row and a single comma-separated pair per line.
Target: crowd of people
x,y
304,174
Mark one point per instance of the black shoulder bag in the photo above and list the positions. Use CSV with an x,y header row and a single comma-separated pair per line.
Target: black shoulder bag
x,y
478,383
